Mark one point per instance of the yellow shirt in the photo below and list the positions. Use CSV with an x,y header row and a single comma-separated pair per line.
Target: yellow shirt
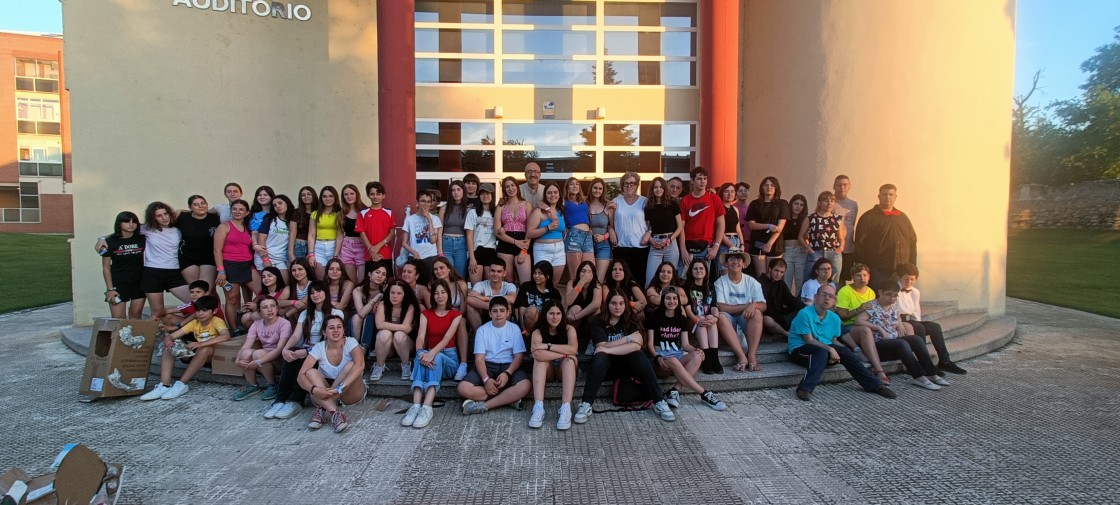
x,y
849,299
207,332
326,226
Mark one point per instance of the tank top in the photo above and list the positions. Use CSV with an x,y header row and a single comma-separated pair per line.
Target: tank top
x,y
731,221
577,213
349,227
438,326
514,222
556,234
630,221
238,246
453,221
548,337
823,233
600,222
326,225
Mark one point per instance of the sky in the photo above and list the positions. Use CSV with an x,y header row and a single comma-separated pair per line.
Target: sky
x,y
1054,36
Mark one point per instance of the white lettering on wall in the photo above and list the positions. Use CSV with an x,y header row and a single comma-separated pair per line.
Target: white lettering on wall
x,y
262,8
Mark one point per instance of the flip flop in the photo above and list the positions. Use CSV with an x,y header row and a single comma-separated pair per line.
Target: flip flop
x,y
753,367
740,367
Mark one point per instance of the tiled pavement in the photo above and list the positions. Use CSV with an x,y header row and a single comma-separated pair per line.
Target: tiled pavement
x,y
1033,423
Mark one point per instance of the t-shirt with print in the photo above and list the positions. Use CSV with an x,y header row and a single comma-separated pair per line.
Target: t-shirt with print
x,y
700,299
270,335
848,210
604,332
276,234
886,317
747,290
421,234
499,344
127,255
530,296
807,322
313,333
203,332
667,330
483,228
376,224
700,213
848,299
330,370
186,309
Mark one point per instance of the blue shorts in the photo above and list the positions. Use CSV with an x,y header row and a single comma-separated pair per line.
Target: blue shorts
x,y
738,322
671,353
578,241
603,250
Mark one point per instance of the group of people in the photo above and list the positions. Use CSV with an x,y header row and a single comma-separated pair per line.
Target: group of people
x,y
655,285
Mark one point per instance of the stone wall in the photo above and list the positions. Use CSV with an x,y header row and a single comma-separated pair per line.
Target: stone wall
x,y
1092,204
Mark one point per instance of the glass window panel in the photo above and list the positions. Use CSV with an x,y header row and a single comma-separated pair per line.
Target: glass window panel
x,y
54,154
674,15
431,132
31,216
455,11
678,135
550,134
29,188
677,162
551,161
548,13
549,42
50,169
29,202
454,160
678,44
451,40
46,86
25,84
11,216
633,43
26,127
48,69
548,72
46,128
620,135
649,135
620,161
28,169
427,70
678,15
620,72
451,70
678,73
427,40
25,68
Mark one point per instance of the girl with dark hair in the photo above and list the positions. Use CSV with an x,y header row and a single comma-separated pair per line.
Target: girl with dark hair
x,y
233,253
579,246
732,233
619,278
665,226
665,276
332,374
457,289
547,227
299,223
353,251
302,275
161,258
436,355
366,298
323,230
823,236
454,217
479,229
513,214
397,321
701,310
795,252
820,274
532,295
273,236
667,329
272,286
598,206
307,332
742,195
618,339
766,218
583,299
554,345
339,286
197,226
261,206
122,266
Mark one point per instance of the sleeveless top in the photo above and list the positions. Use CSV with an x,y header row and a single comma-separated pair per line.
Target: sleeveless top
x,y
556,234
823,233
350,226
577,213
600,222
238,246
453,221
514,222
558,339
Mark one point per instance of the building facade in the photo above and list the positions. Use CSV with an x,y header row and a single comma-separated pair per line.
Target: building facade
x,y
35,172
411,92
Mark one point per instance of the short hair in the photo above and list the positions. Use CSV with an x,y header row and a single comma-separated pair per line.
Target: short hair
x,y
888,284
471,177
234,184
203,285
859,267
375,185
841,176
887,186
775,262
905,269
264,298
697,171
742,184
208,302
675,178
499,301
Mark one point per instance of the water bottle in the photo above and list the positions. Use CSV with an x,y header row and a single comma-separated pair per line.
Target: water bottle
x,y
103,250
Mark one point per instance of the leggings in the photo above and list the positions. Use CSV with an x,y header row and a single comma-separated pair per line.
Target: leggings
x,y
635,364
287,389
911,350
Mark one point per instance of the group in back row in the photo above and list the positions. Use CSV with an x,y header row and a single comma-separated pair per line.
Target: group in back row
x,y
275,250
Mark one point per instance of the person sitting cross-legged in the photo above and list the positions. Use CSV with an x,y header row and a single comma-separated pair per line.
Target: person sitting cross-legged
x,y
741,304
497,378
332,375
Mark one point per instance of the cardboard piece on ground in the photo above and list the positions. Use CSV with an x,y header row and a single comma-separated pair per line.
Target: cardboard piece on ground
x,y
223,362
119,357
81,477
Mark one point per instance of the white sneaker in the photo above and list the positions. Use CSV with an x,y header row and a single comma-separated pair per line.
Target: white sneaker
x,y
461,373
537,419
288,410
155,394
939,380
923,382
406,371
583,412
424,417
410,416
662,409
271,412
565,420
376,372
176,390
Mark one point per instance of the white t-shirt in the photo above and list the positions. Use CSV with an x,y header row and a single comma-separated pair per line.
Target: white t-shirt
x,y
910,303
746,291
484,288
277,241
329,370
162,247
312,333
422,234
809,289
483,227
223,212
630,221
498,344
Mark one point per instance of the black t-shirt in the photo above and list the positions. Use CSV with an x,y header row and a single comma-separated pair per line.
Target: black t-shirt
x,y
701,299
198,236
662,218
769,213
127,257
529,296
560,338
667,330
603,332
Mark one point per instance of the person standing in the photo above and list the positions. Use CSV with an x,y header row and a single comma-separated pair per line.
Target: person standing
x,y
531,190
848,210
704,224
886,238
377,229
628,222
766,219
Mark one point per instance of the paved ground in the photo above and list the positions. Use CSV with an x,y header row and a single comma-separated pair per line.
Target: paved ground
x,y
1033,423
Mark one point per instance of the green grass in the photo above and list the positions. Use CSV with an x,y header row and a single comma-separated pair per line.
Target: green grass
x,y
34,270
1069,268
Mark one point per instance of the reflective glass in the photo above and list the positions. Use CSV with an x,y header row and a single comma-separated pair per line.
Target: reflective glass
x,y
549,42
632,43
548,72
678,44
620,135
451,70
675,15
678,73
454,160
450,40
552,12
550,161
677,162
31,216
678,135
550,134
454,133
455,11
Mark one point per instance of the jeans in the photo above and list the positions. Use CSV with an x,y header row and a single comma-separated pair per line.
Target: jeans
x,y
635,364
834,257
578,241
300,248
367,331
446,363
911,350
287,389
672,254
455,249
796,264
815,359
936,337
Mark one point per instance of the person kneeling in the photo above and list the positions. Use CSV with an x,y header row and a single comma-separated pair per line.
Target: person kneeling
x,y
332,374
205,331
497,378
555,346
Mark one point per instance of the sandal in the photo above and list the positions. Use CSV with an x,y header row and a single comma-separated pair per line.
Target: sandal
x,y
882,376
754,367
740,367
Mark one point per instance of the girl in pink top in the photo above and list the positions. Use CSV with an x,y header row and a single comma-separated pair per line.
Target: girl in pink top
x,y
514,215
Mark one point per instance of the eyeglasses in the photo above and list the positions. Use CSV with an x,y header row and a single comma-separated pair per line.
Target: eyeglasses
x,y
629,184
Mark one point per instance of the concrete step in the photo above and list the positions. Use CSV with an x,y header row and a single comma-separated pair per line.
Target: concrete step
x,y
932,311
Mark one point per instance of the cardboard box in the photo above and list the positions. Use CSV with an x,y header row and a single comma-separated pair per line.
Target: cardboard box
x,y
225,355
78,476
119,357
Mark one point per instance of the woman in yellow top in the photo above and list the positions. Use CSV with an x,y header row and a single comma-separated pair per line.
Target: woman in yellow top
x,y
322,233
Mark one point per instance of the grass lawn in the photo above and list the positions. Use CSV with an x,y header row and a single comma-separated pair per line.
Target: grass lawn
x,y
34,269
1068,268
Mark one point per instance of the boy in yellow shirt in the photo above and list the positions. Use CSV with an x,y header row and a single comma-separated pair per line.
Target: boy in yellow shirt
x,y
204,332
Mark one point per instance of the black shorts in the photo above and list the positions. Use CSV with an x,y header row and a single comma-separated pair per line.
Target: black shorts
x,y
493,370
158,280
186,260
239,272
129,289
508,248
485,256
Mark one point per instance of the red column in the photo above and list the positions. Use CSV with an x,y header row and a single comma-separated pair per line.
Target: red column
x,y
396,102
719,89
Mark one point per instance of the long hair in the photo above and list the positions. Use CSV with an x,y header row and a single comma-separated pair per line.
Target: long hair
x,y
358,206
458,208
257,207
628,319
664,199
627,281
588,290
280,285
804,208
342,268
409,300
302,214
602,199
580,197
545,268
334,209
691,280
438,283
452,274
150,216
777,188
323,308
506,195
560,198
122,217
655,282
481,208
287,215
367,286
542,320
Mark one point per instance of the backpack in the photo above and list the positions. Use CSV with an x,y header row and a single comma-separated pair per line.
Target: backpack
x,y
628,394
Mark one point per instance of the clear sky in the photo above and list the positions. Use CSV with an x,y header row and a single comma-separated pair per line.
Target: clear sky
x,y
1054,36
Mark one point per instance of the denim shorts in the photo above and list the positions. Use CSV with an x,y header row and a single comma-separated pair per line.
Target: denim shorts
x,y
670,353
603,250
300,248
738,322
552,252
578,241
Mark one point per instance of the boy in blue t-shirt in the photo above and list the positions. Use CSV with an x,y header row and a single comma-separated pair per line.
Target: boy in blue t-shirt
x,y
497,378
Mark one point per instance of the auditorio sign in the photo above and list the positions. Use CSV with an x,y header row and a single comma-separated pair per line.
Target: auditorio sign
x,y
261,8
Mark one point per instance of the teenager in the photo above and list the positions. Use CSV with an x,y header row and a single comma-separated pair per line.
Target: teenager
x,y
852,300
478,299
766,219
795,252
339,286
261,206
513,213
703,311
579,246
233,253
272,285
732,233
479,229
910,309
704,221
598,206
437,356
554,345
332,376
822,235
820,274
414,273
398,318
323,230
454,217
307,332
161,258
497,378
666,227
665,276
741,304
185,312
667,339
532,295
422,231
273,332
353,252
232,192
619,278
200,335
583,298
366,297
443,270
301,274
300,223
122,266
781,304
546,228
274,235
197,227
377,229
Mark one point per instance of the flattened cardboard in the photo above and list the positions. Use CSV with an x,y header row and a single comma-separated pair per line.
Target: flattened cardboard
x,y
82,477
223,362
112,362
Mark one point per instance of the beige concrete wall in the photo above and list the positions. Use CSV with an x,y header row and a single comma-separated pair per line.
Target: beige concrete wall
x,y
169,100
912,92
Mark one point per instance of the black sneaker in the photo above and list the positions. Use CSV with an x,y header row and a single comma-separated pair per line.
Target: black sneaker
x,y
886,392
803,395
951,368
710,400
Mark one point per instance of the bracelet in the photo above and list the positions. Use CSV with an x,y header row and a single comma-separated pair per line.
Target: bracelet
x,y
506,373
485,380
110,289
578,289
259,364
221,269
